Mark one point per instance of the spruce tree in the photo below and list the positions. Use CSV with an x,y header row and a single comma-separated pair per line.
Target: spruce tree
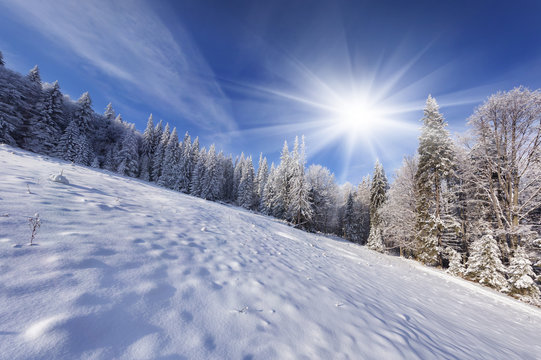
x,y
128,157
34,76
5,132
68,145
83,114
168,177
378,192
246,191
157,160
521,278
436,158
261,179
300,204
484,264
350,221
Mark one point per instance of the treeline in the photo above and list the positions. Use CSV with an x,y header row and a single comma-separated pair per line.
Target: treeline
x,y
472,206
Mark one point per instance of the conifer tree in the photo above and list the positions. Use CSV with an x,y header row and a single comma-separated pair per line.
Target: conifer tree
x,y
435,164
83,114
168,177
300,205
34,76
68,145
2,63
521,278
378,192
5,132
128,159
184,166
157,160
261,179
484,264
147,150
237,174
246,191
198,173
350,221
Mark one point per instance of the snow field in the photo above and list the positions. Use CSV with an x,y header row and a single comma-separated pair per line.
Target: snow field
x,y
124,269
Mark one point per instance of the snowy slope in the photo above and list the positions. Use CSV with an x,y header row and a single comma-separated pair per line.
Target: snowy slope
x,y
128,270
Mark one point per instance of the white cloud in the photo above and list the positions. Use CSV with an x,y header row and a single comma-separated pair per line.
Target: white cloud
x,y
128,41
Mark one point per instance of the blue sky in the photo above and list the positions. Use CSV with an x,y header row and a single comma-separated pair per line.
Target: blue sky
x,y
352,76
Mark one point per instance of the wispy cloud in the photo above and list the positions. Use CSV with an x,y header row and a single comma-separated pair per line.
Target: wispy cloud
x,y
126,40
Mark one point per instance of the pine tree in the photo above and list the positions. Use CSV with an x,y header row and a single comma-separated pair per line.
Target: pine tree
x,y
198,173
168,177
128,157
95,163
246,191
237,174
300,204
147,144
84,114
184,166
484,264
435,164
350,221
109,113
84,151
456,267
157,160
5,132
68,147
34,76
43,132
521,278
378,192
261,179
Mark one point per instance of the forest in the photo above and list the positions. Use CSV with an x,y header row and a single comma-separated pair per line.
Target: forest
x,y
469,204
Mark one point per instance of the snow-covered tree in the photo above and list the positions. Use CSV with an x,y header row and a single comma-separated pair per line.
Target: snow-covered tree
x,y
128,159
508,135
68,145
456,266
147,150
261,179
34,76
171,158
436,158
398,212
484,264
2,63
521,278
159,153
350,221
5,132
300,205
323,191
198,173
246,193
84,114
378,191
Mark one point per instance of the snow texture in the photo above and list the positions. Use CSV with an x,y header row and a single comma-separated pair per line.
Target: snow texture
x,y
123,270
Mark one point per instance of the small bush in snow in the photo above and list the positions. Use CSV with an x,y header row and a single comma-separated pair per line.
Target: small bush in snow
x,y
34,222
484,264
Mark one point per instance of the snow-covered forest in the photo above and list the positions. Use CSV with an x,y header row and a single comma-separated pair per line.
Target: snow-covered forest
x,y
469,204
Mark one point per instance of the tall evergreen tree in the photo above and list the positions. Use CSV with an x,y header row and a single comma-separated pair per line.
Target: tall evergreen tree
x,y
34,75
157,161
246,191
261,179
84,114
168,177
378,192
521,278
128,160
300,204
435,164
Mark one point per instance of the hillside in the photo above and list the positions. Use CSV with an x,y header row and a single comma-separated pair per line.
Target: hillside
x,y
125,269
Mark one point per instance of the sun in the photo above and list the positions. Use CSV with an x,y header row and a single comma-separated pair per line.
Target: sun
x,y
357,115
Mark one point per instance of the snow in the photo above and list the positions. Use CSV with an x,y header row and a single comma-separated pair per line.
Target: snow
x,y
124,269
